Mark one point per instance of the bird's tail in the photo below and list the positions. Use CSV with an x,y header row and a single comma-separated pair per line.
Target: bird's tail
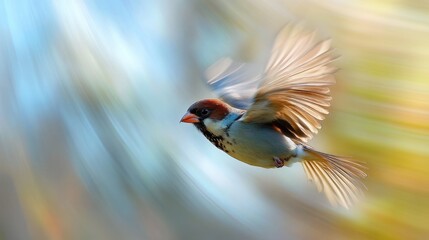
x,y
338,177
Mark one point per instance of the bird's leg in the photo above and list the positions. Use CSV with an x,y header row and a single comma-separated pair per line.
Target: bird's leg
x,y
278,162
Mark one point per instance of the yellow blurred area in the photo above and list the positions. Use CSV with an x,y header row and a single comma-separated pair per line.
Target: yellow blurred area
x,y
92,92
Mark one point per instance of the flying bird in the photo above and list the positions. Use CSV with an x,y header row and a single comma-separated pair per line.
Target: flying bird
x,y
266,120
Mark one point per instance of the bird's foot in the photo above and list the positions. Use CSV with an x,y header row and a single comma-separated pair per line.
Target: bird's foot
x,y
278,162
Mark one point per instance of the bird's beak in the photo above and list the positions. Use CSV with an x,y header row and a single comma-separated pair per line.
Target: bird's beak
x,y
190,118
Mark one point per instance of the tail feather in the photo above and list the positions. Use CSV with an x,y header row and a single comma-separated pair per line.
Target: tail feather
x,y
338,177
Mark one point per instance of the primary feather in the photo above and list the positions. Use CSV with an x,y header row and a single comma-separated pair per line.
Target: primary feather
x,y
294,93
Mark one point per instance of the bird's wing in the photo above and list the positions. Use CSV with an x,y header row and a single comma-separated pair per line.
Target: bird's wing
x,y
294,93
234,82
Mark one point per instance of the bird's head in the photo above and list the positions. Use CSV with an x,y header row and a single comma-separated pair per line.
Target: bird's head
x,y
210,109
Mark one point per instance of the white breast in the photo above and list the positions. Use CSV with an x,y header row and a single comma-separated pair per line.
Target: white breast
x,y
214,126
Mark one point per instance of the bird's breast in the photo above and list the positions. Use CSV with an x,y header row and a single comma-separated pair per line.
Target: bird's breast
x,y
217,139
256,144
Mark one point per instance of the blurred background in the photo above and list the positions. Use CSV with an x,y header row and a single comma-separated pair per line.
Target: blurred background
x,y
92,93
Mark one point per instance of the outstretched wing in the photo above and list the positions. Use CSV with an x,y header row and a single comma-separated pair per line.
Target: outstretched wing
x,y
294,93
234,82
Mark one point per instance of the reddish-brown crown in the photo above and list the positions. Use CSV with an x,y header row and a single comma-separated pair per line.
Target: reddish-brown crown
x,y
217,108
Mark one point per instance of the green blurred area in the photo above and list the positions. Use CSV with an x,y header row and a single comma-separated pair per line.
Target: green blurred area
x,y
381,112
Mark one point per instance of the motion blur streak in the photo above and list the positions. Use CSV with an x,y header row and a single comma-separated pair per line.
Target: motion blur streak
x,y
92,92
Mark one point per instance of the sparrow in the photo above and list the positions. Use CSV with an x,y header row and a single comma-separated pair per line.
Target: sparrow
x,y
266,119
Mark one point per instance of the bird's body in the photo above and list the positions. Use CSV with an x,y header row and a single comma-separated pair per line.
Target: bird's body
x,y
266,120
271,143
236,138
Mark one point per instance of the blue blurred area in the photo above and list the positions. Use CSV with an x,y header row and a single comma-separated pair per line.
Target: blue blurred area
x,y
90,145
91,97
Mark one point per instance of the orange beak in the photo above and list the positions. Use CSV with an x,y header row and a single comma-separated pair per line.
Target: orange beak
x,y
190,118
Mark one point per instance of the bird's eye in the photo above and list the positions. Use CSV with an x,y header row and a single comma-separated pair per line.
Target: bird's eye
x,y
204,112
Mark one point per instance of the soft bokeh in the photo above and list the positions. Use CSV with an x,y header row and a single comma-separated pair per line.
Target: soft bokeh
x,y
92,93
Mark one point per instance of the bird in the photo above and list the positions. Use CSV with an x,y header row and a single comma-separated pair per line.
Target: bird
x,y
266,119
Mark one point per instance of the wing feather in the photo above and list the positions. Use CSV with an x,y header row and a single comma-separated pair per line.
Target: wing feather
x,y
296,83
234,82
